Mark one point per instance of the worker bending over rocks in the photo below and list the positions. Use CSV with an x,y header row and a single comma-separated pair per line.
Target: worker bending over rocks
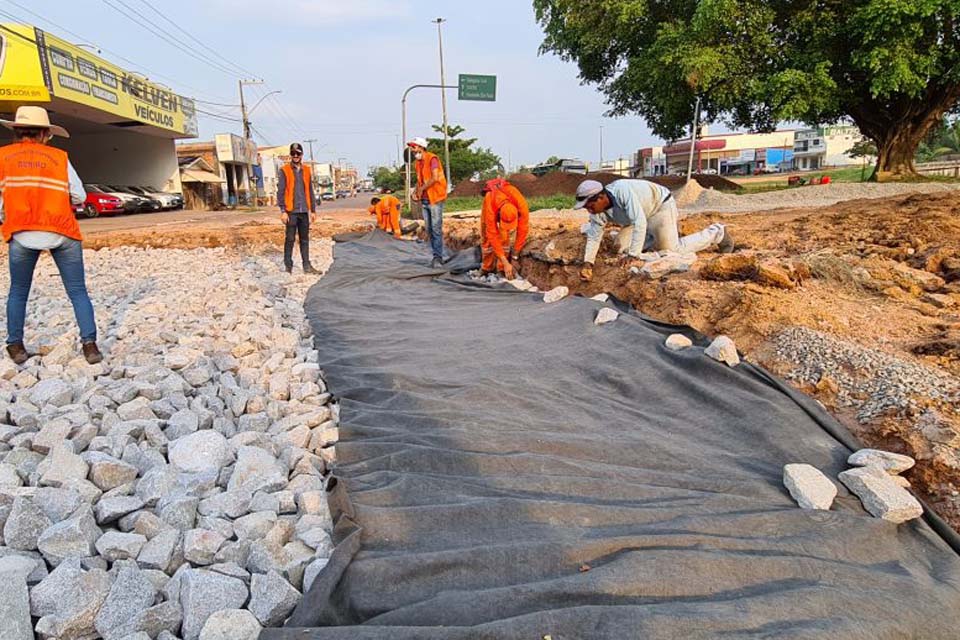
x,y
637,206
505,212
387,210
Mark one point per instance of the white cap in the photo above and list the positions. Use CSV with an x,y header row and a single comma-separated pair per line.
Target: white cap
x,y
34,118
420,142
586,190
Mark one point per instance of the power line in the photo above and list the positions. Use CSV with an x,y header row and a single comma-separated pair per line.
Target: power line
x,y
158,31
244,71
81,38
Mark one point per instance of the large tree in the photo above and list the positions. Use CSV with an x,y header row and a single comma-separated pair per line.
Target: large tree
x,y
465,161
891,66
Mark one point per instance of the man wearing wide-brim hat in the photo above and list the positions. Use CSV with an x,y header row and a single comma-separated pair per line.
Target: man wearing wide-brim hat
x,y
38,217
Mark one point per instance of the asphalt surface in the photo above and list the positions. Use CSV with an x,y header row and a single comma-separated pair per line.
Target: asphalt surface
x,y
347,209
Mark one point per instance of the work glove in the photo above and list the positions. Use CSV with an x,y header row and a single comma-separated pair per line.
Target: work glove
x,y
586,274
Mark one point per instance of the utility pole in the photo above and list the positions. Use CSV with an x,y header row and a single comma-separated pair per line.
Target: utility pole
x,y
246,129
693,139
443,97
313,168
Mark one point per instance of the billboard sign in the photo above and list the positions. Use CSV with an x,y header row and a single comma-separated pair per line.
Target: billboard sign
x,y
233,148
480,88
39,66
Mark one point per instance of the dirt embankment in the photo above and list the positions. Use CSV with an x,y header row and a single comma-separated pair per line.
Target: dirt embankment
x,y
864,294
557,183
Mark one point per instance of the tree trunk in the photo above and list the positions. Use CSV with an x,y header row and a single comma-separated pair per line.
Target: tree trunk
x,y
895,156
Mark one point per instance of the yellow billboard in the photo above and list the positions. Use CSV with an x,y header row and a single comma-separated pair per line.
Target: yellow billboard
x,y
21,74
55,68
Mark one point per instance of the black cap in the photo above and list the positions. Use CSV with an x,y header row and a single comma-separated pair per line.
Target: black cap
x,y
296,147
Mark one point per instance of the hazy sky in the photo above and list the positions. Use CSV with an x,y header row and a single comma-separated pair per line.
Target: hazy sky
x,y
343,65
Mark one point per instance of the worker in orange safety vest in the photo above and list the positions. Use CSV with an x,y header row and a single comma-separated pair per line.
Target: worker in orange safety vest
x,y
387,210
505,212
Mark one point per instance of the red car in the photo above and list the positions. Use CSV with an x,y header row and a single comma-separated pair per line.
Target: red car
x,y
99,203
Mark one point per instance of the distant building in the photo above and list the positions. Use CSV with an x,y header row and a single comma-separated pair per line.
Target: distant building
x,y
751,153
233,158
620,166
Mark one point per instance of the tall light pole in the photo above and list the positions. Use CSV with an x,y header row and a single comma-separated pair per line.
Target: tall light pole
x,y
443,98
693,138
600,168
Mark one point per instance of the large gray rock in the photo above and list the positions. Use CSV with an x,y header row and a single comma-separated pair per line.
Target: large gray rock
x,y
136,409
111,509
58,503
200,546
892,463
70,611
605,316
161,551
106,472
63,466
203,593
556,294
132,593
272,599
809,487
24,524
9,478
52,391
257,470
198,452
114,545
15,599
164,618
312,571
880,495
723,349
678,342
52,434
179,511
182,423
311,531
75,537
254,526
229,504
156,483
231,624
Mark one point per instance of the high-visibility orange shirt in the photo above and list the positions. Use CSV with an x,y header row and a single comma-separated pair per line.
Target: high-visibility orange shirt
x,y
425,166
505,200
36,190
388,213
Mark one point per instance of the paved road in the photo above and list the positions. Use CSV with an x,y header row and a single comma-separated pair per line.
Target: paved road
x,y
346,210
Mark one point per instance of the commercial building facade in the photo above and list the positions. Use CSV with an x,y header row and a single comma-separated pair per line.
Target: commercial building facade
x,y
234,159
750,153
122,126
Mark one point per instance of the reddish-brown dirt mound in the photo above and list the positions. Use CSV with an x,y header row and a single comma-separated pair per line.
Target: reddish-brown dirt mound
x,y
566,184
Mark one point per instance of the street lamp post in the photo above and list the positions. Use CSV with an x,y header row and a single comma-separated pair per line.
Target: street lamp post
x,y
443,98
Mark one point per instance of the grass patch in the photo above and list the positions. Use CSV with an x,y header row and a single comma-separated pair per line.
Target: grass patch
x,y
537,203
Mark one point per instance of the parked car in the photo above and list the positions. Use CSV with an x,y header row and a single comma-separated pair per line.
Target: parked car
x,y
167,200
131,203
147,205
99,203
343,194
328,195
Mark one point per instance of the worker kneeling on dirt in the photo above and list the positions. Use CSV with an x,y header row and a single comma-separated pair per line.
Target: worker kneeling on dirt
x,y
505,211
636,206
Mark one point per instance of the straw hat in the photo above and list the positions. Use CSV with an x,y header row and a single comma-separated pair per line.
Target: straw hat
x,y
34,118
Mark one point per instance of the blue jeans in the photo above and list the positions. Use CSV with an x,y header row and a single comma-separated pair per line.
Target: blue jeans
x,y
433,217
69,259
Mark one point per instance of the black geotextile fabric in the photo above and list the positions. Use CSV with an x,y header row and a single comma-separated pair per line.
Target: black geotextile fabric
x,y
507,469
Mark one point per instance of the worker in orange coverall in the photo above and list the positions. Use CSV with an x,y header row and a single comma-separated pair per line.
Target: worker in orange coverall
x,y
387,210
505,211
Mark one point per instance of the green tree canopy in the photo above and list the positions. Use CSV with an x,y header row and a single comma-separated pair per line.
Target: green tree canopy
x,y
465,161
388,178
891,66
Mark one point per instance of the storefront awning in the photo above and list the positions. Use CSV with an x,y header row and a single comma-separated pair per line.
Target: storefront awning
x,y
197,175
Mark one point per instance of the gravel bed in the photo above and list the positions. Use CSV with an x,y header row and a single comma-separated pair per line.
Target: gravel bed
x,y
871,381
811,196
175,490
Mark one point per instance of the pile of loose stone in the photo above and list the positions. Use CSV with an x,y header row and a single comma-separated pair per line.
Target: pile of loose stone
x,y
869,380
176,490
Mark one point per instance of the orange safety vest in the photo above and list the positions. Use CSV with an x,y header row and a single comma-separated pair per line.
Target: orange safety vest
x,y
438,192
36,190
288,192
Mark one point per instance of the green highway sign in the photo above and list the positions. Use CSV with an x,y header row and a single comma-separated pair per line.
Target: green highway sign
x,y
483,88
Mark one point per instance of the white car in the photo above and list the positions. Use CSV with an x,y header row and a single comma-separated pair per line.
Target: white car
x,y
167,200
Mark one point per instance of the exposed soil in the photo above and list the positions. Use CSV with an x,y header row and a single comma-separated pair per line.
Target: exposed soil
x,y
566,183
882,274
